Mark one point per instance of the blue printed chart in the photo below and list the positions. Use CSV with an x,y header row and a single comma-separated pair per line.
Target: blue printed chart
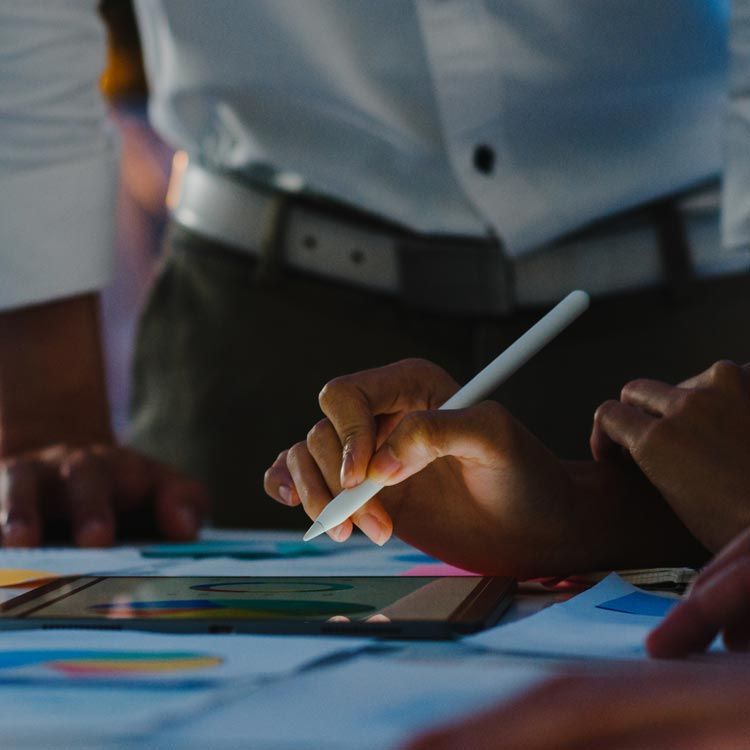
x,y
82,657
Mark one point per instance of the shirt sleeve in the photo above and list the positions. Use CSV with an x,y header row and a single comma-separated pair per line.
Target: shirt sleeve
x,y
736,188
58,154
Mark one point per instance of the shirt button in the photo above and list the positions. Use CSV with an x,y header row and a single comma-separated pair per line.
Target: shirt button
x,y
484,159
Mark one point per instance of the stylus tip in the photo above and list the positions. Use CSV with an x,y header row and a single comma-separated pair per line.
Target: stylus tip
x,y
315,530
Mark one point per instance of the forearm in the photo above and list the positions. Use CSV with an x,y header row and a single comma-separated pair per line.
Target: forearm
x,y
625,522
52,384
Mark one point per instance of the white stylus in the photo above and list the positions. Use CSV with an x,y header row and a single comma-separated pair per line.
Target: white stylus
x,y
481,385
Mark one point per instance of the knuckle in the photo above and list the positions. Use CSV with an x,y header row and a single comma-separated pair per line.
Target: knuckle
x,y
725,372
632,386
78,463
332,391
428,374
271,478
296,453
318,433
422,429
605,410
417,364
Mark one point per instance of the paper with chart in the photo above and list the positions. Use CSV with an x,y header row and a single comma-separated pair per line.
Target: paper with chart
x,y
581,627
379,702
82,657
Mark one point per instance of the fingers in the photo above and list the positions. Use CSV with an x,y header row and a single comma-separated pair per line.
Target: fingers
x,y
89,489
735,550
724,373
89,492
478,433
138,486
278,482
324,447
721,603
20,521
312,488
619,424
352,402
684,630
652,396
181,504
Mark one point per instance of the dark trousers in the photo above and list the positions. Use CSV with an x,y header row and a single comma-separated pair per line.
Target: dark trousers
x,y
228,366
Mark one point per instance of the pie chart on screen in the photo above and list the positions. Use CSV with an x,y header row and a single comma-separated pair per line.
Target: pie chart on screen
x,y
92,663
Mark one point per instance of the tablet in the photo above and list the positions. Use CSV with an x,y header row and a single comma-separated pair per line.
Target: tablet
x,y
385,606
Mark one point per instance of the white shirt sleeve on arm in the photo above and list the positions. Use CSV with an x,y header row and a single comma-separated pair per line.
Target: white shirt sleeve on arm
x,y
736,192
58,155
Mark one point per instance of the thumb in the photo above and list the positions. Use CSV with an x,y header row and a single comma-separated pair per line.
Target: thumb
x,y
480,433
351,403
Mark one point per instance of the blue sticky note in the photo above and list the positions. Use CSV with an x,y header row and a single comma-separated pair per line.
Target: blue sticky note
x,y
416,558
248,550
640,603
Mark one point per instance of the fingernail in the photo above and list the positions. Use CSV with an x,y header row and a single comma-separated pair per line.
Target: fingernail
x,y
373,528
347,470
285,493
384,464
339,533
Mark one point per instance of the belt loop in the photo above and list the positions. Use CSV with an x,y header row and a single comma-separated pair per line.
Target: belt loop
x,y
271,259
456,275
677,263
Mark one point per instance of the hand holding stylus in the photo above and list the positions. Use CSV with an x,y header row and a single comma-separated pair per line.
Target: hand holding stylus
x,y
383,465
470,485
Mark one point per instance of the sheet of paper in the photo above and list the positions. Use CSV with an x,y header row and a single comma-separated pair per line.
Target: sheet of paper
x,y
576,628
81,657
364,703
355,557
21,569
54,716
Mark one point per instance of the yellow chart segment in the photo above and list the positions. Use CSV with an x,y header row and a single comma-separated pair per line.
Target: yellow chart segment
x,y
138,665
24,577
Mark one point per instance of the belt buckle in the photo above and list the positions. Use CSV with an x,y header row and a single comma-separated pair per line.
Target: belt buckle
x,y
457,275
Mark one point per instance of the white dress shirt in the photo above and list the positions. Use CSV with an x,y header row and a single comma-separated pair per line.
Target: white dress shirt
x,y
58,164
525,118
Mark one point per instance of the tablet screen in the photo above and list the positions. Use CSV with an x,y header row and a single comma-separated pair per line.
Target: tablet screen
x,y
249,598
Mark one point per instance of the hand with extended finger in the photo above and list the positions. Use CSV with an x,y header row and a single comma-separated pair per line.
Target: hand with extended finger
x,y
718,603
692,441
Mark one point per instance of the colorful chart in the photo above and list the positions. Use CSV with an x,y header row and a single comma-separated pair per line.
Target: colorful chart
x,y
80,663
252,609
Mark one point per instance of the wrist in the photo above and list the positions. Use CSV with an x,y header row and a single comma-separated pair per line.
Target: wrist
x,y
625,522
52,385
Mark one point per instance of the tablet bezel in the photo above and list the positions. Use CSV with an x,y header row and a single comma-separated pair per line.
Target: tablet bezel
x,y
482,608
